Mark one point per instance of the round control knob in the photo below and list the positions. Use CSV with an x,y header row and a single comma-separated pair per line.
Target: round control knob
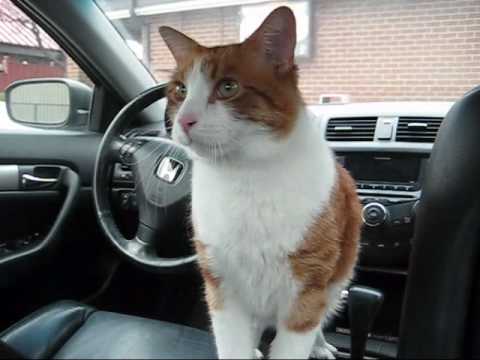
x,y
374,214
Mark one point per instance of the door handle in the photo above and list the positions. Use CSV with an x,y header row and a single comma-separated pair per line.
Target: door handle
x,y
36,179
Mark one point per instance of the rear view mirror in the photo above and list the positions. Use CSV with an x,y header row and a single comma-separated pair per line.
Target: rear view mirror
x,y
48,102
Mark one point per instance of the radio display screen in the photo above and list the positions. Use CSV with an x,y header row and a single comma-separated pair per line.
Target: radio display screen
x,y
378,168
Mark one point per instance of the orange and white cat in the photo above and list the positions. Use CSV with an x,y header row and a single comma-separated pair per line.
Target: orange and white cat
x,y
276,220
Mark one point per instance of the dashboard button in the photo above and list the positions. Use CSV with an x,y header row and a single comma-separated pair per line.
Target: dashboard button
x,y
400,188
389,187
379,187
374,214
367,186
384,129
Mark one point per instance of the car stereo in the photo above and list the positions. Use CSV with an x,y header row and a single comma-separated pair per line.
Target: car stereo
x,y
394,172
389,186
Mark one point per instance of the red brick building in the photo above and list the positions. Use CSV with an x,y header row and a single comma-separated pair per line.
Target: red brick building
x,y
25,50
372,50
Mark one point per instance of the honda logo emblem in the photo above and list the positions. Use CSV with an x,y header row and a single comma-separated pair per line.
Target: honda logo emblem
x,y
169,170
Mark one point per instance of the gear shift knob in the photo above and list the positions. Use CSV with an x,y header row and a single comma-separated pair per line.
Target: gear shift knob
x,y
363,306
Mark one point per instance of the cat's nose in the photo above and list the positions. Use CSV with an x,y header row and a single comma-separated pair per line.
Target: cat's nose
x,y
187,122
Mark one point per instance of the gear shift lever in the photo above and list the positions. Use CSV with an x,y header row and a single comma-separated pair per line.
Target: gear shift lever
x,y
363,306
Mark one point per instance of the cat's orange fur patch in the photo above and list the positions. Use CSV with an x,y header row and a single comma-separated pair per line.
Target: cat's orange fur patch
x,y
327,255
213,295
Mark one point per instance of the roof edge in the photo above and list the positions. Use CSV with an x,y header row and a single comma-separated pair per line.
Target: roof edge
x,y
178,6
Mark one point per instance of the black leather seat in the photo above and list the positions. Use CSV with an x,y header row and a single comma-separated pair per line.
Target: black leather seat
x,y
442,303
69,330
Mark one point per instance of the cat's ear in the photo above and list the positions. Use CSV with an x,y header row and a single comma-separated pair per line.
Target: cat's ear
x,y
276,38
180,45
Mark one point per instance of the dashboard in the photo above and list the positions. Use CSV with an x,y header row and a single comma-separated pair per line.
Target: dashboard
x,y
386,148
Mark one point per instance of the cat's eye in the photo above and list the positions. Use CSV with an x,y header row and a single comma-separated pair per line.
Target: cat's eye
x,y
227,88
180,92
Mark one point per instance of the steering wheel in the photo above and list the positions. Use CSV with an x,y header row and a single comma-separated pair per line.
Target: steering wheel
x,y
162,175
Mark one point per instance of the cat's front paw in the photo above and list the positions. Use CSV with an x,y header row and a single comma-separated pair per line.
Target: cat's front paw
x,y
326,351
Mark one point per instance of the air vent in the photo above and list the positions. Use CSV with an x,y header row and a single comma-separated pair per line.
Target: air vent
x,y
418,129
351,129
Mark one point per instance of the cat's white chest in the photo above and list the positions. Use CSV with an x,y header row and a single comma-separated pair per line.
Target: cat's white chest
x,y
252,219
249,236
256,279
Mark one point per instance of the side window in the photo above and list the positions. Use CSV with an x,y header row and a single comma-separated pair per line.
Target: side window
x,y
40,86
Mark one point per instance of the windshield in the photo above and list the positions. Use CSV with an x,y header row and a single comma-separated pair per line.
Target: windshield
x,y
347,51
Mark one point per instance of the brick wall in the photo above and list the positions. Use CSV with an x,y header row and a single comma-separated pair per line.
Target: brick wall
x,y
14,70
394,49
374,50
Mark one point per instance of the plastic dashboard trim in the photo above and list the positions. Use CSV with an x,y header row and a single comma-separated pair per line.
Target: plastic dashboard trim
x,y
381,146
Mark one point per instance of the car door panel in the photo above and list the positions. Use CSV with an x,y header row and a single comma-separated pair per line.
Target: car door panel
x,y
49,230
37,173
33,232
40,155
76,150
26,217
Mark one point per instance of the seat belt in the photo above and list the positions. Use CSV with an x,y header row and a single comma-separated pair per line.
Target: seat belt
x,y
6,352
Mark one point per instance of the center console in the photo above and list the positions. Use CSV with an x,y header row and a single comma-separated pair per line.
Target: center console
x,y
389,186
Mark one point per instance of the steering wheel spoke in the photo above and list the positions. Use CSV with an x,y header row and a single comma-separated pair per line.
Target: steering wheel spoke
x,y
146,255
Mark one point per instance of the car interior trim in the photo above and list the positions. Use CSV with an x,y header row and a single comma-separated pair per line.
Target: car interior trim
x,y
9,177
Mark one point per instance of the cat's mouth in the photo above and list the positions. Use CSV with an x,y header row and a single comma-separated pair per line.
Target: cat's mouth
x,y
205,148
198,141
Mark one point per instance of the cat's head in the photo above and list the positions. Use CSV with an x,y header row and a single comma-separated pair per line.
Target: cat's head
x,y
237,100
